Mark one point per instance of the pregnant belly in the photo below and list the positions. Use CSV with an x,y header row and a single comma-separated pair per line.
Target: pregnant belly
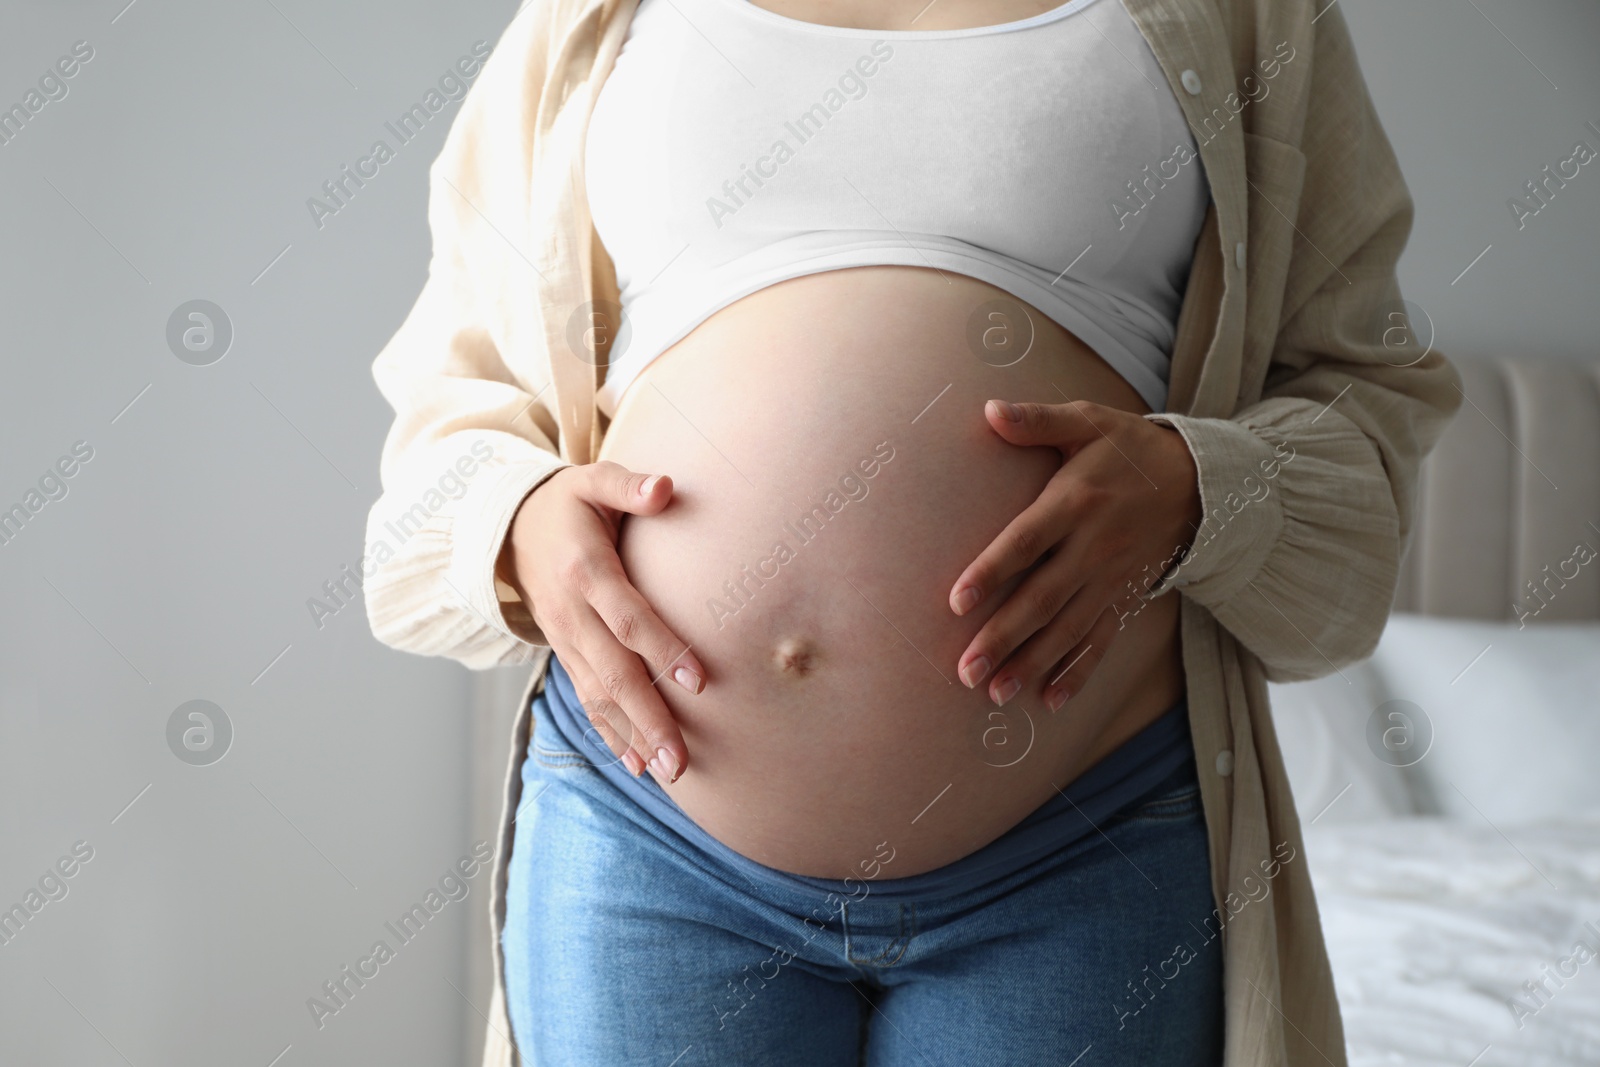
x,y
834,474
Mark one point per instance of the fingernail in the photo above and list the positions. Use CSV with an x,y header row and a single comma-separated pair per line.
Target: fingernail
x,y
1006,691
1007,410
631,760
974,672
666,764
687,678
655,765
648,484
967,599
1056,699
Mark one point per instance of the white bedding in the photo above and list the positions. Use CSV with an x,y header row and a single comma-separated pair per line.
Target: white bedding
x,y
1433,926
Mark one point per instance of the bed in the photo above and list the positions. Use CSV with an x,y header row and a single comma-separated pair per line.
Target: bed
x,y
1449,787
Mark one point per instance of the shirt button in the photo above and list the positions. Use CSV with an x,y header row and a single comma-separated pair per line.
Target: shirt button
x,y
1191,82
1238,254
1225,762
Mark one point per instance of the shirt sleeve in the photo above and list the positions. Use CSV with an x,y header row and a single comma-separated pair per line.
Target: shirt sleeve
x,y
1309,494
470,438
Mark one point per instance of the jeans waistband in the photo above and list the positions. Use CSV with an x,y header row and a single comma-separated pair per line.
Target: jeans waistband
x,y
1157,761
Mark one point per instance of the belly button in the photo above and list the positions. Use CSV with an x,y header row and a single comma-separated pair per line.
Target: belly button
x,y
795,657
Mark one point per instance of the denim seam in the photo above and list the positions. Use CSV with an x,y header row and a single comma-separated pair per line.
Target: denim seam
x,y
1165,808
901,940
558,758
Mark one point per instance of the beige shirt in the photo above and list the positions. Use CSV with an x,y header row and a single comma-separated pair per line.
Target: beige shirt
x,y
1294,382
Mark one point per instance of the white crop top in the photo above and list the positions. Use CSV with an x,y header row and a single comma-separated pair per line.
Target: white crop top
x,y
731,148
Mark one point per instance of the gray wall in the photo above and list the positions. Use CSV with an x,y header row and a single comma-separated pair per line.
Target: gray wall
x,y
1478,96
178,564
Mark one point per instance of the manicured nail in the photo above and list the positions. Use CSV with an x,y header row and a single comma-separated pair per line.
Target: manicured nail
x,y
666,764
1006,690
1007,410
648,484
688,679
1056,698
967,599
974,672
631,760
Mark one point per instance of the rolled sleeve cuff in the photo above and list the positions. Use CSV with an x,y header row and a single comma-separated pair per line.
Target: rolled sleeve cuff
x,y
1243,515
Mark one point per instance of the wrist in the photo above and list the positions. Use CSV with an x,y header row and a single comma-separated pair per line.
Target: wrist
x,y
1187,511
505,564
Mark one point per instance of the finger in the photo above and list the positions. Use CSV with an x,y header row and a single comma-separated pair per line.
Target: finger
x,y
1040,526
608,726
1045,656
622,677
1033,606
614,486
1065,426
1071,673
638,627
562,625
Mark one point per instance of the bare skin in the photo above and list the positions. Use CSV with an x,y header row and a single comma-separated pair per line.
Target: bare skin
x,y
957,637
834,716
897,15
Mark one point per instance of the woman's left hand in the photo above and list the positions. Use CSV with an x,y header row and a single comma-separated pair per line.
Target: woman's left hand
x,y
1122,507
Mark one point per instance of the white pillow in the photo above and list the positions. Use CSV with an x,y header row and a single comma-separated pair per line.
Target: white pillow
x,y
1515,714
1322,727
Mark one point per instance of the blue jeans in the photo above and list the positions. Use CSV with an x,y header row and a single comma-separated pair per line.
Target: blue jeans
x,y
625,943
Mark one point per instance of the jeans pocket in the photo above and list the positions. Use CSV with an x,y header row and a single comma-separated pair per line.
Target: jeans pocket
x,y
1178,801
559,759
549,747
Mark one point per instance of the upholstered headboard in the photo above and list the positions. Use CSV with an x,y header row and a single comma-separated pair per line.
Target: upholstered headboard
x,y
1511,496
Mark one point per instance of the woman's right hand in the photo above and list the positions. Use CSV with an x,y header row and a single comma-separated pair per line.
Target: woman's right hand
x,y
561,557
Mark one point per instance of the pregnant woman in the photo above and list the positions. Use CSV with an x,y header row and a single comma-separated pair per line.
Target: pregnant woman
x,y
905,437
